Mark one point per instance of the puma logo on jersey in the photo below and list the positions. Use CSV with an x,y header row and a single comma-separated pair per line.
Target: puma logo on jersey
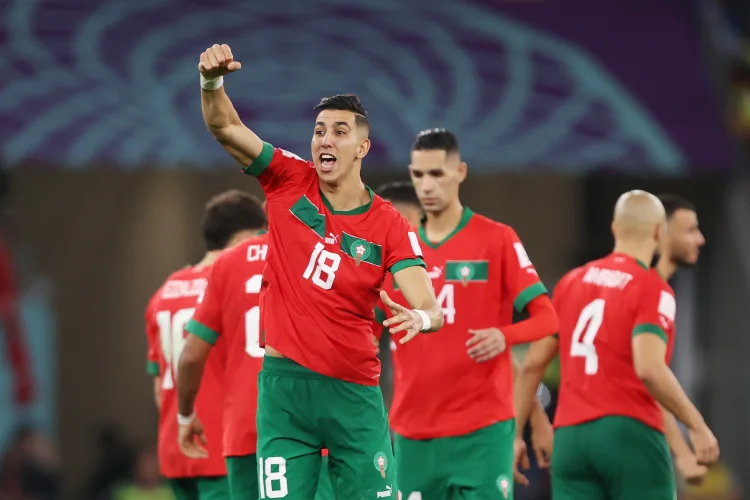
x,y
175,289
332,239
435,273
385,494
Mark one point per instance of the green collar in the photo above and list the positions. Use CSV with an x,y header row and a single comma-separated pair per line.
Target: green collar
x,y
468,213
356,211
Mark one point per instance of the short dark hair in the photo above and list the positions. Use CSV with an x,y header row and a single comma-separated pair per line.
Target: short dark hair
x,y
673,203
399,192
228,213
436,139
346,102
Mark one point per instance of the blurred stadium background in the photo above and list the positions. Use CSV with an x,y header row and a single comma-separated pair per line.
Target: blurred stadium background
x,y
560,107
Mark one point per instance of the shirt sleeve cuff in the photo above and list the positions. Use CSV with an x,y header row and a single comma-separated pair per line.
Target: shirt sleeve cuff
x,y
152,368
202,331
528,294
652,329
261,163
403,264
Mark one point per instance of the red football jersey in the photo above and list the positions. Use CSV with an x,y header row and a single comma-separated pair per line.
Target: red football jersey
x,y
167,314
480,272
230,309
325,269
601,306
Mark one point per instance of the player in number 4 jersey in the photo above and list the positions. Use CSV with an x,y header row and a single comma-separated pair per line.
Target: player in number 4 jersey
x,y
229,218
332,243
615,341
453,410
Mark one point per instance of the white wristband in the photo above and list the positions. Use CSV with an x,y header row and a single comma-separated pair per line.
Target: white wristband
x,y
182,420
426,323
212,83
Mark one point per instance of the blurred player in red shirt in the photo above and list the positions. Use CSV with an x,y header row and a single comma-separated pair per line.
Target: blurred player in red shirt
x,y
453,392
230,309
230,218
616,339
332,242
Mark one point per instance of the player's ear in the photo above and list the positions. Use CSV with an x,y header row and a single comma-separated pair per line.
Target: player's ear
x,y
363,148
612,228
463,169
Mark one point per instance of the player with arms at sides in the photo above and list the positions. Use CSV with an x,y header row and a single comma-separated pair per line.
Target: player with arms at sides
x,y
230,218
331,244
615,340
230,309
453,410
404,198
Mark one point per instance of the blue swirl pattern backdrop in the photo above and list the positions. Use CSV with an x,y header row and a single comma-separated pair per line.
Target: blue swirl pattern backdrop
x,y
114,82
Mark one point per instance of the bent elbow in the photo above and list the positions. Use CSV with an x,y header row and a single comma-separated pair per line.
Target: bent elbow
x,y
647,374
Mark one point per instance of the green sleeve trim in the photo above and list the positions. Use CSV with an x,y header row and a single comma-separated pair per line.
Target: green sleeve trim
x,y
380,317
652,329
261,163
403,264
530,293
202,331
152,368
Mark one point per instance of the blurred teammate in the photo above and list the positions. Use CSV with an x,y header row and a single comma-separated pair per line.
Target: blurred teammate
x,y
616,337
331,243
453,392
230,309
230,218
402,196
680,247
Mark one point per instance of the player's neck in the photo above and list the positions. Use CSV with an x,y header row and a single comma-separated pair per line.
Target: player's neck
x,y
209,258
349,194
439,225
666,267
639,251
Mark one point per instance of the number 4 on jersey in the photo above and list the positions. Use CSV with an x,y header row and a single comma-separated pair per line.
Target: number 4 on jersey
x,y
582,345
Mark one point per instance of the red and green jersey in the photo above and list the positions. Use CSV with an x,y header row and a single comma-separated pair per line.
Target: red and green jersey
x,y
168,312
480,273
601,306
230,309
325,268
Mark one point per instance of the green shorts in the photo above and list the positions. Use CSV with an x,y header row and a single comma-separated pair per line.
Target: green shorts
x,y
200,488
243,479
301,412
611,458
478,465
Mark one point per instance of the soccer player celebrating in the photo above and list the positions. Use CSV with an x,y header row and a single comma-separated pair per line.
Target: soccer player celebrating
x,y
331,244
615,340
453,397
229,218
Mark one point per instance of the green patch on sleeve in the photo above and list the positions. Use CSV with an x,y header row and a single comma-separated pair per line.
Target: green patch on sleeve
x,y
152,368
261,163
530,293
652,329
202,331
403,264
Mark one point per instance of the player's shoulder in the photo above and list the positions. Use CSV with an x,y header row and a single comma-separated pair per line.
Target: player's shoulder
x,y
653,280
478,223
284,155
239,252
385,215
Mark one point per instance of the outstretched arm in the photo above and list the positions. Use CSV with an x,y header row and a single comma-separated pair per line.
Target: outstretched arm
x,y
426,314
219,114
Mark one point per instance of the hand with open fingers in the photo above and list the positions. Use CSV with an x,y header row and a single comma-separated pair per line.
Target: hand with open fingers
x,y
217,61
705,445
542,438
405,320
520,461
191,436
690,469
485,344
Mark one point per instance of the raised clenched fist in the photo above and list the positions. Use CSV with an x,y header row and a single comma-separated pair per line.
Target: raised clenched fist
x,y
217,61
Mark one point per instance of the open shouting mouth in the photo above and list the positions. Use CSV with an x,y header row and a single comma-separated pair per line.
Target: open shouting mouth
x,y
327,161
